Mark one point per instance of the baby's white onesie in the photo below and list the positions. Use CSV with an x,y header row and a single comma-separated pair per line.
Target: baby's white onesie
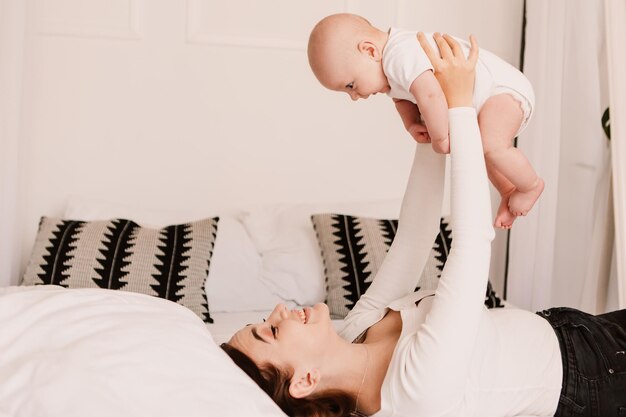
x,y
404,60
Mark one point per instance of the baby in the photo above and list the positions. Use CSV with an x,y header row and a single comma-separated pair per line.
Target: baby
x,y
348,54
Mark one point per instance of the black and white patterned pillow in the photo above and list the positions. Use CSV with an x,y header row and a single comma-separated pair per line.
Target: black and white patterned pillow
x,y
171,263
353,249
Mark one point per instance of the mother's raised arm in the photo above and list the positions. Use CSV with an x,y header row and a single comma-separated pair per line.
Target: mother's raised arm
x,y
422,202
455,314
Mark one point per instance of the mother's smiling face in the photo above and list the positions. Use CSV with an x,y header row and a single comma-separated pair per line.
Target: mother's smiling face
x,y
288,338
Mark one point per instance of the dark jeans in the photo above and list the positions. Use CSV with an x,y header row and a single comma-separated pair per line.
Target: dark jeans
x,y
593,349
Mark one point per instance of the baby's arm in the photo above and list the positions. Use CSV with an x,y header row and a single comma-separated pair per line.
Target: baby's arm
x,y
411,119
434,108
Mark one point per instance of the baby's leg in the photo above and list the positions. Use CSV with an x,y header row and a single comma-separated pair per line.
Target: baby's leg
x,y
500,118
504,217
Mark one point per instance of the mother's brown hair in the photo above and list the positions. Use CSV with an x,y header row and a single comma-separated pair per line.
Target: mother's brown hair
x,y
275,382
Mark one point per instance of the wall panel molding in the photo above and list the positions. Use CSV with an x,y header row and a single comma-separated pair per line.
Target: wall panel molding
x,y
85,25
199,33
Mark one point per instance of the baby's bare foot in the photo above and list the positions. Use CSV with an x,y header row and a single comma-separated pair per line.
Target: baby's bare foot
x,y
504,217
520,203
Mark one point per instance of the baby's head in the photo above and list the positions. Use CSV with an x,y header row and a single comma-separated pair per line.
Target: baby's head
x,y
345,53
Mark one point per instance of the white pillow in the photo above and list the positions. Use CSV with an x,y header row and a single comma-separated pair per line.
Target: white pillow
x,y
234,281
102,353
283,234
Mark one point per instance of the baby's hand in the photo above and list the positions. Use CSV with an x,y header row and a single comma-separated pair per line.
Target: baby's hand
x,y
418,132
412,120
442,146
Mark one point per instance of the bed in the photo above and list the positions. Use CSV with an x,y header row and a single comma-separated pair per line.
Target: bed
x,y
121,309
95,352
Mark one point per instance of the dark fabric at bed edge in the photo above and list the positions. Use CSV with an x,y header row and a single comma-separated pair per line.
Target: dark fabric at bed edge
x,y
171,263
353,249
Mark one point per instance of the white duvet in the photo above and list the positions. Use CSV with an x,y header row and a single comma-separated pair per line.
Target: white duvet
x,y
92,353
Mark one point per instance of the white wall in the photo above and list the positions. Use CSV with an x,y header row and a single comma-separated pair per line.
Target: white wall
x,y
205,103
12,18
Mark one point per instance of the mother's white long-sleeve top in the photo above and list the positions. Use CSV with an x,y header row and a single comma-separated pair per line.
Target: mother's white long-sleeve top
x,y
454,357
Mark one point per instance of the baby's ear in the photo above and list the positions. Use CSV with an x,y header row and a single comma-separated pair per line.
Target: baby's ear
x,y
370,49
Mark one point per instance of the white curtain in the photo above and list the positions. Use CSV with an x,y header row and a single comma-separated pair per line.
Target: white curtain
x,y
561,254
12,15
616,52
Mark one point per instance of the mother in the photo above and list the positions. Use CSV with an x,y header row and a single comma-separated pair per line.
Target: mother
x,y
437,353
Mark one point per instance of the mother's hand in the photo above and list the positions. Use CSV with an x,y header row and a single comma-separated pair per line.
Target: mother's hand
x,y
454,72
